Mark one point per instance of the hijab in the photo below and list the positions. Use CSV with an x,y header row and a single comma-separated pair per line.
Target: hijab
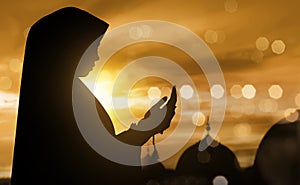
x,y
49,148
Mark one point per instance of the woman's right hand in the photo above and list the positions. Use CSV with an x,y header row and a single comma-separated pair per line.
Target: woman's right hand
x,y
159,116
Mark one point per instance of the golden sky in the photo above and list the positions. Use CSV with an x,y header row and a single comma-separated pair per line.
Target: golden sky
x,y
255,42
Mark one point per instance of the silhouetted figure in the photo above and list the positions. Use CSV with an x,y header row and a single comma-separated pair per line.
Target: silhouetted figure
x,y
49,148
278,156
215,160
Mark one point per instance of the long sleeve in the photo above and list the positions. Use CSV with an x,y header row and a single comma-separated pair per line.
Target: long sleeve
x,y
139,134
131,136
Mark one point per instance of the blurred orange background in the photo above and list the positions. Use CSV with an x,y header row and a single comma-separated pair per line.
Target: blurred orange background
x,y
255,42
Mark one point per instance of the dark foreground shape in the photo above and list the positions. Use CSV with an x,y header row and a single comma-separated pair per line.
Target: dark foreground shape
x,y
4,181
49,148
278,156
215,160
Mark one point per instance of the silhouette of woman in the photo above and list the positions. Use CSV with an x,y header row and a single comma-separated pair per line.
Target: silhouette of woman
x,y
49,147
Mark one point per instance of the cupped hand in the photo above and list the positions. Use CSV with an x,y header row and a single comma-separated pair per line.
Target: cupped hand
x,y
158,117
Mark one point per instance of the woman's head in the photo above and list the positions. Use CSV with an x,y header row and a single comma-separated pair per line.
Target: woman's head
x,y
56,43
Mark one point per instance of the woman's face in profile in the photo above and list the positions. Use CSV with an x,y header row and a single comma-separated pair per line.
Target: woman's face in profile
x,y
89,59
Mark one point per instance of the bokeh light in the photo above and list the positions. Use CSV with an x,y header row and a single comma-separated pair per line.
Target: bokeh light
x,y
186,92
3,67
268,105
291,114
147,31
198,119
211,36
221,36
278,47
275,91
231,6
5,83
217,91
154,93
138,32
257,56
297,100
249,108
135,33
249,91
220,180
166,91
242,130
236,110
15,65
236,91
262,43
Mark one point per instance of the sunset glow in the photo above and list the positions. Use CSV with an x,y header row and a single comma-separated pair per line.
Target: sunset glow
x,y
256,44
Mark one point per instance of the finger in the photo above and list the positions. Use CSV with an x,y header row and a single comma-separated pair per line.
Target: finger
x,y
173,99
156,106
